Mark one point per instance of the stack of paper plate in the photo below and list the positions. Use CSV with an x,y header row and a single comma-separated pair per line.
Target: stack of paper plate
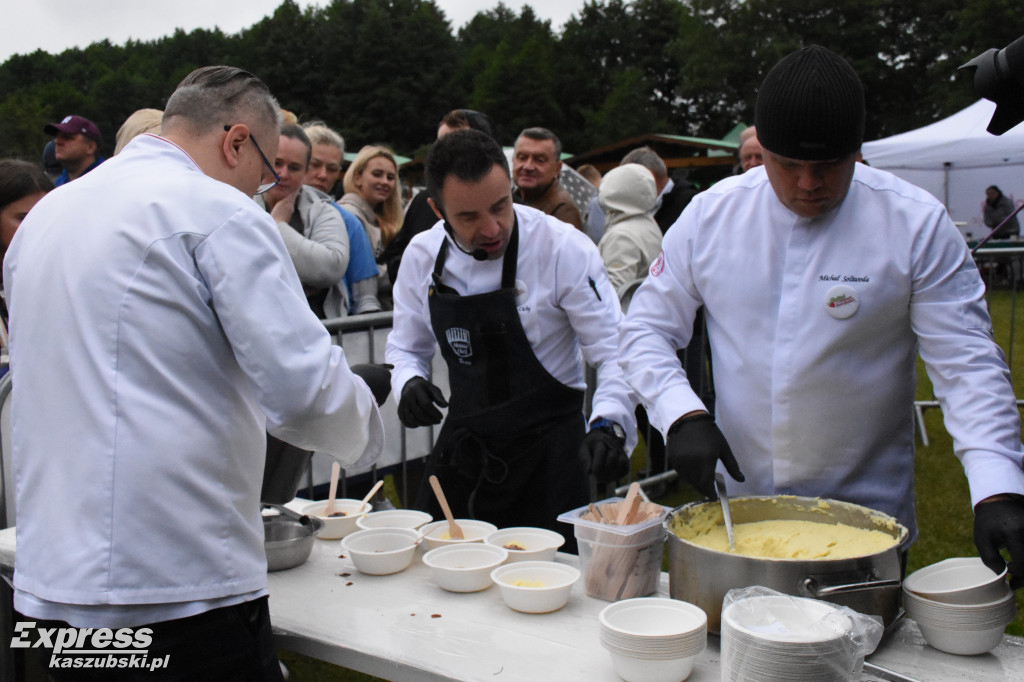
x,y
653,639
771,637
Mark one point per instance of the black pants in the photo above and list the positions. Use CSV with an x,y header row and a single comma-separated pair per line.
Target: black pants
x,y
229,644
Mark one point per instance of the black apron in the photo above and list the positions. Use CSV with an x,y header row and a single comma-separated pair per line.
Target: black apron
x,y
508,450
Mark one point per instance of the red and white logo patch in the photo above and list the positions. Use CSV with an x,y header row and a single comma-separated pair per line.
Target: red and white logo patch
x,y
658,265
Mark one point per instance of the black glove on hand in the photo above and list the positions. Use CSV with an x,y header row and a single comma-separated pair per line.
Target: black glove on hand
x,y
694,447
604,455
377,377
417,405
999,524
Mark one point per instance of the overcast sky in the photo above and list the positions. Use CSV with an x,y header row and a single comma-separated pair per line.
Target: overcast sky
x,y
56,25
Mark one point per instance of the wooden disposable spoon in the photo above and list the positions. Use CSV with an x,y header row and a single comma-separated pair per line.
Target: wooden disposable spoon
x,y
335,472
373,490
629,507
453,528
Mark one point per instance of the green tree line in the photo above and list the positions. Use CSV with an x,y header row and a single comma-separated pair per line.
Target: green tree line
x,y
385,71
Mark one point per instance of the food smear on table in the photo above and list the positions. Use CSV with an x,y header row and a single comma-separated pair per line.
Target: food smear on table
x,y
788,539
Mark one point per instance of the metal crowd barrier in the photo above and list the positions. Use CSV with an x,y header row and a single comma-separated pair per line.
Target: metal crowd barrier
x,y
363,338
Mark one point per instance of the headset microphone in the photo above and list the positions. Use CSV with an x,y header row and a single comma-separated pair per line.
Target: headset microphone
x,y
477,254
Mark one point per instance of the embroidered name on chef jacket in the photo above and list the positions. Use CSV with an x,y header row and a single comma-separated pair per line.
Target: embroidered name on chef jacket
x,y
841,301
458,340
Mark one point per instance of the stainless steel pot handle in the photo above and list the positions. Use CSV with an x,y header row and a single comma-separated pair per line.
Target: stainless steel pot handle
x,y
811,585
313,522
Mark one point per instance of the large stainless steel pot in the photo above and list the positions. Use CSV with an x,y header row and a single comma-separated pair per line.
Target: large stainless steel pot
x,y
868,584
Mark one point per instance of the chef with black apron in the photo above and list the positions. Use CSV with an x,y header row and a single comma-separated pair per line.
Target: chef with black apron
x,y
517,301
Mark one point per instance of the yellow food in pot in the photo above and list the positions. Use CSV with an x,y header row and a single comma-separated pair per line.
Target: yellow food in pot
x,y
529,583
791,539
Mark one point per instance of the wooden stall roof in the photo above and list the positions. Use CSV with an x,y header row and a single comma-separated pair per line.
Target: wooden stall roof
x,y
678,151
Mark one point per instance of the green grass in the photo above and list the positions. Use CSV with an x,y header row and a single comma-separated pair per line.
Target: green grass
x,y
944,512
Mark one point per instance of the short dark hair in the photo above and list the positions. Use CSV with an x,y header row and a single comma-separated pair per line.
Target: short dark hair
x,y
467,154
296,132
19,179
537,133
468,118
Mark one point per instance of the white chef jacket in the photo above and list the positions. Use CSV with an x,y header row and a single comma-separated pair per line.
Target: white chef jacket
x,y
812,401
566,305
156,318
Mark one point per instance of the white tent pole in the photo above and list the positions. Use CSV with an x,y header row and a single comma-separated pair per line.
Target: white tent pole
x,y
945,183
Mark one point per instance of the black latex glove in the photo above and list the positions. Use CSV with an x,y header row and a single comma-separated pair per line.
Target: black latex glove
x,y
693,449
1000,524
417,407
604,455
377,377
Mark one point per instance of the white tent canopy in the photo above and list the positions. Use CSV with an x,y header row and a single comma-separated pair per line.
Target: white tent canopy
x,y
955,159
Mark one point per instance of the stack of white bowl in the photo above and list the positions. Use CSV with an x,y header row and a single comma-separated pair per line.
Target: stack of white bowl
x,y
652,639
960,605
782,638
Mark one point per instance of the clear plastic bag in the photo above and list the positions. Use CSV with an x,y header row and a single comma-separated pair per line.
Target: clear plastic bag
x,y
768,635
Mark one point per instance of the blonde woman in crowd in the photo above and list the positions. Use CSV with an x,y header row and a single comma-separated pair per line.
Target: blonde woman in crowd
x,y
372,194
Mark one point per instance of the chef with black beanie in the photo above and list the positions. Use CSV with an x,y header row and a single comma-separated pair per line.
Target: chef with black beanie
x,y
821,280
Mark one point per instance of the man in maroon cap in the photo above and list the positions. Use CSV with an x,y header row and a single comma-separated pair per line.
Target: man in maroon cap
x,y
77,141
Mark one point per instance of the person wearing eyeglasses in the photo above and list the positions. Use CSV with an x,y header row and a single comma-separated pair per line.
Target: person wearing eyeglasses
x,y
323,174
166,335
312,230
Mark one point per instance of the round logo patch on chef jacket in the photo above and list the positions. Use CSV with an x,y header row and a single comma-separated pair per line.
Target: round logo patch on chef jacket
x,y
658,266
522,293
841,301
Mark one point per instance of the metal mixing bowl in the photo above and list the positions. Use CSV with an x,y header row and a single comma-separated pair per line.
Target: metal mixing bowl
x,y
288,541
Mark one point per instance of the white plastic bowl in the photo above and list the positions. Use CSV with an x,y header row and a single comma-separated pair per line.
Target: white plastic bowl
x,y
633,669
393,518
537,544
653,618
381,551
962,616
464,567
337,527
961,642
535,586
437,532
963,580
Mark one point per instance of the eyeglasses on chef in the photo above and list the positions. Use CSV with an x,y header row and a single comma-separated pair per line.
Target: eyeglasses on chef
x,y
277,178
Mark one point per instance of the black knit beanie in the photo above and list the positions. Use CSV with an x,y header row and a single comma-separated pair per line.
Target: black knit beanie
x,y
811,107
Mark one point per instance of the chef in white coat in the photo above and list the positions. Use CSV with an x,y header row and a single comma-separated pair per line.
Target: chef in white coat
x,y
821,278
158,331
517,301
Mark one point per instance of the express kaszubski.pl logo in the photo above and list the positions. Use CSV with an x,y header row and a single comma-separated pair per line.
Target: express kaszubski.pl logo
x,y
99,648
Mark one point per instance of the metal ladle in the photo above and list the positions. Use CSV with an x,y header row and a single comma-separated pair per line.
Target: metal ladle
x,y
726,514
